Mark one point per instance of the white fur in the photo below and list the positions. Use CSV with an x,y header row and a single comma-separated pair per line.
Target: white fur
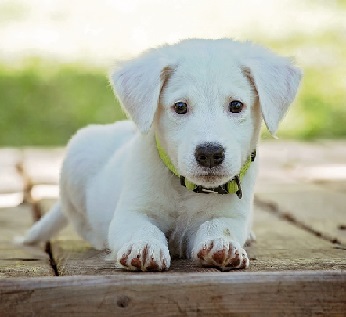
x,y
118,193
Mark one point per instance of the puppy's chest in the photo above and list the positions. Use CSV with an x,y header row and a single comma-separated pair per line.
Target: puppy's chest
x,y
182,209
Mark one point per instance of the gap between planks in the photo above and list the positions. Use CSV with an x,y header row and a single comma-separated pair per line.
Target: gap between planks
x,y
274,208
162,294
268,206
280,246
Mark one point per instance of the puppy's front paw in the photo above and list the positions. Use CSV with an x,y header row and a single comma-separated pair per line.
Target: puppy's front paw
x,y
145,256
226,255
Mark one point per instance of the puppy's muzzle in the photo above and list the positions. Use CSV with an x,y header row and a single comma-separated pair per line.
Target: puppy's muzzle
x,y
209,154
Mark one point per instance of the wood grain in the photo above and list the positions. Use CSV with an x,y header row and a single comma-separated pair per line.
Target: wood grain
x,y
16,261
73,256
10,180
42,166
322,209
178,294
280,246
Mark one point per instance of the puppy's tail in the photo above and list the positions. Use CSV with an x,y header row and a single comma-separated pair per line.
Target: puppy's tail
x,y
49,225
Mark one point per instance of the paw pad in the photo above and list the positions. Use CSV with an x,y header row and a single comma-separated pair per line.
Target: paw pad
x,y
225,255
141,256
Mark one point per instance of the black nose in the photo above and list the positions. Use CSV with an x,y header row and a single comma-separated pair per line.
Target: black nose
x,y
210,154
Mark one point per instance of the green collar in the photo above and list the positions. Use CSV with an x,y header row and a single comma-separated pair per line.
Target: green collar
x,y
231,187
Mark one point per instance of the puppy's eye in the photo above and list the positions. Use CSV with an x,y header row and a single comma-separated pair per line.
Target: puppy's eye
x,y
235,106
180,107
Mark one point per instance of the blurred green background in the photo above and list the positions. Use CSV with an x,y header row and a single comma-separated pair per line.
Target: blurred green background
x,y
45,98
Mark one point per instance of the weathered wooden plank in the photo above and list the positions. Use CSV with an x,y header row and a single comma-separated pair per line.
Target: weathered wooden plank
x,y
288,153
40,169
42,166
274,250
172,294
16,261
79,258
73,256
280,246
292,161
291,157
14,221
322,209
339,186
11,182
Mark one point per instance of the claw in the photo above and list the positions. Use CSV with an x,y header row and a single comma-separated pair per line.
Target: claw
x,y
141,256
222,254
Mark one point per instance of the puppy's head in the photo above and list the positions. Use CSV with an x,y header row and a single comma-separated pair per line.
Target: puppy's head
x,y
205,100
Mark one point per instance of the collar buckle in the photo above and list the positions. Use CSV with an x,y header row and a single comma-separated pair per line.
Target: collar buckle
x,y
222,190
182,180
239,192
253,155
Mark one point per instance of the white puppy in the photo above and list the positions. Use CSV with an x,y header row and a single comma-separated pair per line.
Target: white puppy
x,y
139,188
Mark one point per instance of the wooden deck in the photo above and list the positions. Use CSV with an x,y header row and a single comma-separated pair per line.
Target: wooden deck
x,y
297,263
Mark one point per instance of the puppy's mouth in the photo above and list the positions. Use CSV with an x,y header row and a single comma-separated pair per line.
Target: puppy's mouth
x,y
210,179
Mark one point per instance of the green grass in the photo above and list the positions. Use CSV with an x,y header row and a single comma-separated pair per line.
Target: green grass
x,y
44,103
319,110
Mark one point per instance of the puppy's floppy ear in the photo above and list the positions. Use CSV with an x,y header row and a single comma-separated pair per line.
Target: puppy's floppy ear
x,y
137,84
276,80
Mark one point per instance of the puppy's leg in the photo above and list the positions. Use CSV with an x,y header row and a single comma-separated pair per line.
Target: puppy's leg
x,y
138,244
219,243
